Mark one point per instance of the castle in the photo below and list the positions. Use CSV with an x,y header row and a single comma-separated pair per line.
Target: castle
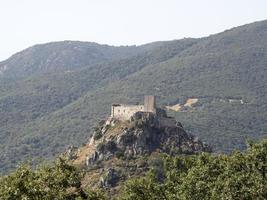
x,y
125,112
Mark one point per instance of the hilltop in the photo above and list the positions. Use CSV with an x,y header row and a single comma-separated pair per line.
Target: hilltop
x,y
52,94
123,149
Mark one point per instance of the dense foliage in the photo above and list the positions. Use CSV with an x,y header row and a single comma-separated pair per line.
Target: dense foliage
x,y
52,94
206,176
240,175
60,181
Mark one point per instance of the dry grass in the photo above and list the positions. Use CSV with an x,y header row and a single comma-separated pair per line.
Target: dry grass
x,y
190,102
176,107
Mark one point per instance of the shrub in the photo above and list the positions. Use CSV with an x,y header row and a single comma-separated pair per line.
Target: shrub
x,y
97,135
111,146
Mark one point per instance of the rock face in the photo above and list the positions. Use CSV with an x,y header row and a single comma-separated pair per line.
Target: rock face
x,y
109,179
118,150
143,134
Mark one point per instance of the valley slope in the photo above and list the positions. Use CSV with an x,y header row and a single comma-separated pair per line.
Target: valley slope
x,y
51,95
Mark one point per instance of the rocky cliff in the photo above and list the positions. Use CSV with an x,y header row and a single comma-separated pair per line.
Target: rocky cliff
x,y
121,149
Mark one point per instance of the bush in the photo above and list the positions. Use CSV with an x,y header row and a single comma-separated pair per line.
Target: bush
x,y
119,154
100,147
97,135
111,146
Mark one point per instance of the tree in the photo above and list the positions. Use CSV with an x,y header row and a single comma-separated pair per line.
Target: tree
x,y
58,181
206,176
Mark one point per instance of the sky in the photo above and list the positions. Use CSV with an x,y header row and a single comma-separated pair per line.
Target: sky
x,y
119,22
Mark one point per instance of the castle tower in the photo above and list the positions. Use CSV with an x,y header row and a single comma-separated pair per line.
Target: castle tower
x,y
150,104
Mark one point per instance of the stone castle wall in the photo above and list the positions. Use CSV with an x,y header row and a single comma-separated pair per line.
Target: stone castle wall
x,y
125,112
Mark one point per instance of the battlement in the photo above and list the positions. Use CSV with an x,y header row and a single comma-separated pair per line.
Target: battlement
x,y
125,112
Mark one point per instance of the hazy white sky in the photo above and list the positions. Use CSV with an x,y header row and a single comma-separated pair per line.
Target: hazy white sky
x,y
119,22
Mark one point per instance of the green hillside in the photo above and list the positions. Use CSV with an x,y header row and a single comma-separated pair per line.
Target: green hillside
x,y
61,89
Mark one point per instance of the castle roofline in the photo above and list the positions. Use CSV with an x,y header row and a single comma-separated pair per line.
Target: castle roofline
x,y
128,105
116,104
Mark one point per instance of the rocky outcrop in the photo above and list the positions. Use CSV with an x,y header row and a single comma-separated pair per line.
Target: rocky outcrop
x,y
143,134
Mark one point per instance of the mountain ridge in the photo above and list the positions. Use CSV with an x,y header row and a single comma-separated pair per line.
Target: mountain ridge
x,y
43,112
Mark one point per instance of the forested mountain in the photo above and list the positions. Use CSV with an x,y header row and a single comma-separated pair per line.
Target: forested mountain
x,y
68,56
52,94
